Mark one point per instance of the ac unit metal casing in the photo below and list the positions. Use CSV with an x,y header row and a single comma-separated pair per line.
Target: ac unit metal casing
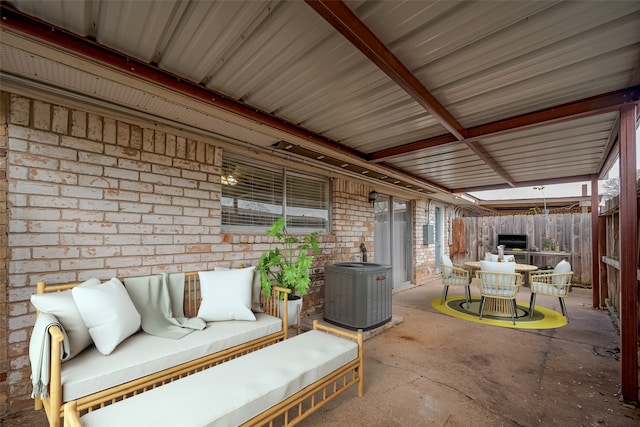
x,y
357,295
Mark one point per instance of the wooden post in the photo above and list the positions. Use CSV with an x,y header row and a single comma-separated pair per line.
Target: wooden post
x,y
596,257
628,254
602,239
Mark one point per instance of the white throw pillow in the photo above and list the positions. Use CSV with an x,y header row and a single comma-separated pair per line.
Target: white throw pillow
x,y
501,267
62,305
562,267
446,261
226,295
108,312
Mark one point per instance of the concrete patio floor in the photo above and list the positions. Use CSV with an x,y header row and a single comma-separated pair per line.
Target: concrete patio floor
x,y
436,370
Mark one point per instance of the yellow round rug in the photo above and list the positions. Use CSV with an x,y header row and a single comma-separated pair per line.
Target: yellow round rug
x,y
543,318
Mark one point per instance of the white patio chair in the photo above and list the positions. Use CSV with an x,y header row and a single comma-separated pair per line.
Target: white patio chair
x,y
500,282
453,275
556,283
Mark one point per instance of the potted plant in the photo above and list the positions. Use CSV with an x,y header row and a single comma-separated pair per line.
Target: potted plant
x,y
288,265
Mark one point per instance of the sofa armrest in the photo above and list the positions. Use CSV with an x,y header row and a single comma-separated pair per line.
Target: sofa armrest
x,y
53,403
272,304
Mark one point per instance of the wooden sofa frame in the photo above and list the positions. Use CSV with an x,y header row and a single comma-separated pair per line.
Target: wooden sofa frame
x,y
53,403
300,405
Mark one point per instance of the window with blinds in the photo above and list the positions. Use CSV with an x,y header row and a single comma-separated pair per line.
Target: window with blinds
x,y
255,195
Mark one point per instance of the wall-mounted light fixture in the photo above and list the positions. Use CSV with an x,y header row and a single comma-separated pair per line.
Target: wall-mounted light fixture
x,y
373,196
228,180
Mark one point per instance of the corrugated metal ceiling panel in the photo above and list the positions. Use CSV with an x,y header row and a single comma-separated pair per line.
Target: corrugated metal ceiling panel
x,y
450,164
295,66
583,141
140,29
484,61
564,149
430,34
109,92
500,59
209,35
79,17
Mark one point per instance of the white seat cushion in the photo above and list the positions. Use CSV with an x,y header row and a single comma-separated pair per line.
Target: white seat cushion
x,y
456,281
232,393
143,354
446,261
560,268
499,292
501,267
498,285
547,289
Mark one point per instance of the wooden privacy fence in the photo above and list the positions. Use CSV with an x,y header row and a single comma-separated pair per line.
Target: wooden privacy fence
x,y
609,246
571,231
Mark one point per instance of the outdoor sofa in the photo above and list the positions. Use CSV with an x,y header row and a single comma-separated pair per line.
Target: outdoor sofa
x,y
99,375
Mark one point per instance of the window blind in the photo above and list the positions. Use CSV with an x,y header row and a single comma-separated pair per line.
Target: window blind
x,y
255,195
252,196
307,202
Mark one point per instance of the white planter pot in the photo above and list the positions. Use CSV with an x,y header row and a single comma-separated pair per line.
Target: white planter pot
x,y
293,307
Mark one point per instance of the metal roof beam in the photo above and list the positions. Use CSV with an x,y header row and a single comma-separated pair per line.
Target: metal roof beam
x,y
349,25
563,180
479,151
598,104
594,105
399,150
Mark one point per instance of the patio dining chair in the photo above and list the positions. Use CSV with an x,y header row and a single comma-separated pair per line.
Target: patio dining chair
x,y
453,275
499,282
556,283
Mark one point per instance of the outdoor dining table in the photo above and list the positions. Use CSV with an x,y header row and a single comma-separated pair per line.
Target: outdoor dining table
x,y
520,268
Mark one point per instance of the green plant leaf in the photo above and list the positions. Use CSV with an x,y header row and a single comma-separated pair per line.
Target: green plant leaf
x,y
289,265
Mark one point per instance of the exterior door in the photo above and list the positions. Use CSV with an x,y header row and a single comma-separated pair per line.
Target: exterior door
x,y
393,237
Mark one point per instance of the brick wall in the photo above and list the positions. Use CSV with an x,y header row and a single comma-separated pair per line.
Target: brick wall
x,y
353,223
424,255
91,196
4,343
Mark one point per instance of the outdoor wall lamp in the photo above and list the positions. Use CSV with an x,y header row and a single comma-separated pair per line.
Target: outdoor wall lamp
x,y
373,196
228,180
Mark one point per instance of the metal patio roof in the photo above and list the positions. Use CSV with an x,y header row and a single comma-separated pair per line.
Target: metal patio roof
x,y
433,97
